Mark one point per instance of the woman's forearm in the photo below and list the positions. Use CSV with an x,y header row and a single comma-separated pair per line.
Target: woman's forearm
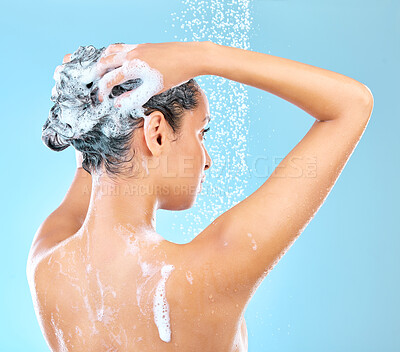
x,y
324,94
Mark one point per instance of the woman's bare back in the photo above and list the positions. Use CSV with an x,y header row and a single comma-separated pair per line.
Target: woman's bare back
x,y
104,301
103,298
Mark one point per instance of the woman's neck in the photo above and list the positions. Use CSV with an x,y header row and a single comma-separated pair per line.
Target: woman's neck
x,y
121,203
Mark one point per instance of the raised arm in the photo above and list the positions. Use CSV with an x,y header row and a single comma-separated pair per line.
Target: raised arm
x,y
324,94
243,244
69,215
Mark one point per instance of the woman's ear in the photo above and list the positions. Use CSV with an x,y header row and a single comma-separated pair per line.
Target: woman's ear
x,y
155,132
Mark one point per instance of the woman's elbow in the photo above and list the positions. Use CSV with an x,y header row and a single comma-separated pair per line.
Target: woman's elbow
x,y
368,100
364,102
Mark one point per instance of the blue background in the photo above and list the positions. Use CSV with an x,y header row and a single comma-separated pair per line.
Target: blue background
x,y
337,288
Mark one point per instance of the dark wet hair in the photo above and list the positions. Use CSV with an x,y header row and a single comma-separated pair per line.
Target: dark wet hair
x,y
113,152
98,149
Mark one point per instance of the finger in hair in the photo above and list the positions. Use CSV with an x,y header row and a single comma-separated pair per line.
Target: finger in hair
x,y
114,48
67,58
108,81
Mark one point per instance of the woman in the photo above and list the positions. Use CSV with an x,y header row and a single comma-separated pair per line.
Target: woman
x,y
103,279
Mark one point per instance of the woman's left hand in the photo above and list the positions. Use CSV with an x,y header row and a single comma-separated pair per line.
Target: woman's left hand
x,y
176,62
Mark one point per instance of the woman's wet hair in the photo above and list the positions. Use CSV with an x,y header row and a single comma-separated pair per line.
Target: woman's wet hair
x,y
100,148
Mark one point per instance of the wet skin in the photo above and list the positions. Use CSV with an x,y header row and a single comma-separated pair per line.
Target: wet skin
x,y
85,274
92,290
89,294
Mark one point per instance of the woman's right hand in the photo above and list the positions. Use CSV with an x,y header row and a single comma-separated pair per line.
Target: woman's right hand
x,y
178,62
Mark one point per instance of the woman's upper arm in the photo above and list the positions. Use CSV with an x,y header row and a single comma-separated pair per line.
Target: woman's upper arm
x,y
247,241
61,224
64,221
